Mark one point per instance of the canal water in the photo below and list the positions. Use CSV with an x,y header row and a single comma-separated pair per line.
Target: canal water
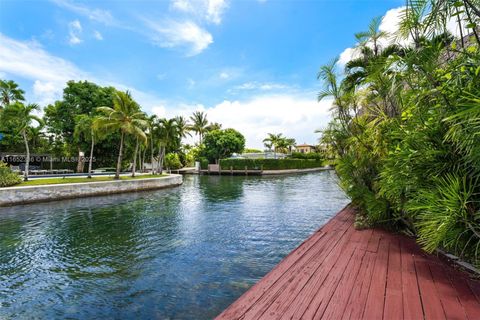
x,y
180,253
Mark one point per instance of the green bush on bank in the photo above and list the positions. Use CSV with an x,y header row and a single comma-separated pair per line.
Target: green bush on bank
x,y
310,155
7,177
269,164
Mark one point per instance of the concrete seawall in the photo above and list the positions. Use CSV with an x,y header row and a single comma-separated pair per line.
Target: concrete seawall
x,y
31,194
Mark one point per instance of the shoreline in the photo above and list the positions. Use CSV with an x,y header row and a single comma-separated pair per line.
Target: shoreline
x,y
12,196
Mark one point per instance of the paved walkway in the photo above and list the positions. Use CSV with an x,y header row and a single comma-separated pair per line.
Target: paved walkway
x,y
342,273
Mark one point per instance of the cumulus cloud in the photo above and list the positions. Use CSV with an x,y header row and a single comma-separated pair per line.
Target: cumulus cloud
x,y
208,10
185,34
74,31
293,115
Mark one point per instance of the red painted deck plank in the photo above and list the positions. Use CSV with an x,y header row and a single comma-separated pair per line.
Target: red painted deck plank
x,y
412,303
393,296
342,273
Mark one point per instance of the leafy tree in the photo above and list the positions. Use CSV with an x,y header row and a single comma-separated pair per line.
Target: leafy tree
x,y
80,98
22,116
125,117
10,92
221,144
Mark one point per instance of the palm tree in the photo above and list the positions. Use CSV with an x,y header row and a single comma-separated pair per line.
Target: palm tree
x,y
140,138
22,116
273,140
85,129
182,127
10,92
124,117
152,120
200,124
373,35
166,131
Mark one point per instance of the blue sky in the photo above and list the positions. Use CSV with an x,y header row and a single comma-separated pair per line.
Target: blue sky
x,y
250,65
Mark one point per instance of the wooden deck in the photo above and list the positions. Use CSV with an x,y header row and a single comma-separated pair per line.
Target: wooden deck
x,y
342,273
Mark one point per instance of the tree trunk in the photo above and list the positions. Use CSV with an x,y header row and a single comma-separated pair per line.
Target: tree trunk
x,y
159,165
143,159
134,166
161,155
27,158
119,160
80,161
151,155
90,161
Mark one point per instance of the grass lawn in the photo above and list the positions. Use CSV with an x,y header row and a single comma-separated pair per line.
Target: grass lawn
x,y
37,182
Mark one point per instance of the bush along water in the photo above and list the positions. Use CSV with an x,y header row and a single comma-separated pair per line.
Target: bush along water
x,y
406,123
269,164
7,177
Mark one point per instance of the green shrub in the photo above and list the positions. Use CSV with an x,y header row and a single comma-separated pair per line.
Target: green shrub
x,y
172,161
203,163
7,177
269,164
311,155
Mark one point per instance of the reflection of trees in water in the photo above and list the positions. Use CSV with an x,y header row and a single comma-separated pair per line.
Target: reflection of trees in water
x,y
222,188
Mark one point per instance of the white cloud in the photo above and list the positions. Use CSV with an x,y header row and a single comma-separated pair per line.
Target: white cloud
x,y
208,10
49,74
97,35
292,115
185,34
160,111
347,55
390,23
98,15
224,75
28,60
74,31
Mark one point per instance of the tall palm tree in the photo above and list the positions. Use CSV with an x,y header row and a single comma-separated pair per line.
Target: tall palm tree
x,y
22,115
183,127
10,92
152,122
141,139
199,124
124,117
166,131
85,130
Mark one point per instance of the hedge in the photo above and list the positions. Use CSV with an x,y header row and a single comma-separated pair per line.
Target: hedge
x,y
310,155
269,164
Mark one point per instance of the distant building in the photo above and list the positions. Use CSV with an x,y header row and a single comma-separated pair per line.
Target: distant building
x,y
305,148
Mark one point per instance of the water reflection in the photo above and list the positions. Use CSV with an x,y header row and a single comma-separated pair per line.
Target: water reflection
x,y
182,253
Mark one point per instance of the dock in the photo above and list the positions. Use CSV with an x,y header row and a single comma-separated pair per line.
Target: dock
x,y
343,273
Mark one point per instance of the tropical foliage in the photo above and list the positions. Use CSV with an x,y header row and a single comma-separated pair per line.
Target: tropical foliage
x,y
405,125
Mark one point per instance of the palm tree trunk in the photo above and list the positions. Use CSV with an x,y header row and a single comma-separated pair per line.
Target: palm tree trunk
x,y
158,159
27,158
134,166
151,155
161,155
143,159
90,160
79,161
119,160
